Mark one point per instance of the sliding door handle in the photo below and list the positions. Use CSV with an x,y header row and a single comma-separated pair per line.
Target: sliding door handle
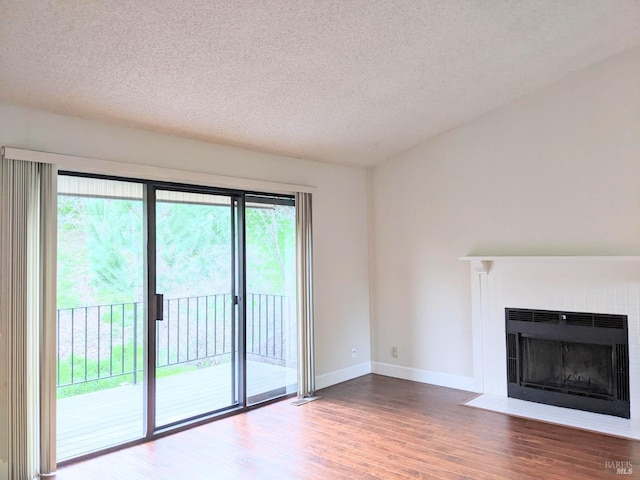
x,y
159,306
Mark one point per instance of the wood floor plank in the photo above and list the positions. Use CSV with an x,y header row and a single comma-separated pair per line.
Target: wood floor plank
x,y
372,427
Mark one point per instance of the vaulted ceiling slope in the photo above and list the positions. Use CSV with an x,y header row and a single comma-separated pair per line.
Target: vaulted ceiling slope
x,y
351,82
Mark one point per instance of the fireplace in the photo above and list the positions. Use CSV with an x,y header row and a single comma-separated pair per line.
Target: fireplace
x,y
569,359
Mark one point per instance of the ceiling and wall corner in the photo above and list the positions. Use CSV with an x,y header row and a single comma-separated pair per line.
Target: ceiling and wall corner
x,y
553,173
343,82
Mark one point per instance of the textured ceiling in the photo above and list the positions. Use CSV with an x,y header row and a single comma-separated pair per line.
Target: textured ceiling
x,y
351,82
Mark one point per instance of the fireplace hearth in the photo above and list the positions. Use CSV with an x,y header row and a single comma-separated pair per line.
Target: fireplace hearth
x,y
569,359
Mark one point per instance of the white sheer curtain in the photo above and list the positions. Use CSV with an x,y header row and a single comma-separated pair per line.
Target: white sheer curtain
x,y
27,313
304,269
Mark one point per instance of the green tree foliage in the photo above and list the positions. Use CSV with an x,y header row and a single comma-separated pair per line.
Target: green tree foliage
x,y
271,250
100,250
193,249
72,270
114,246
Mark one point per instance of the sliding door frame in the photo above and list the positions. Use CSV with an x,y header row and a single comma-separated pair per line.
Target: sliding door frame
x,y
239,294
152,299
239,358
280,392
150,314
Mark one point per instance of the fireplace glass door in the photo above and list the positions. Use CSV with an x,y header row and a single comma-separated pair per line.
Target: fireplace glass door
x,y
576,368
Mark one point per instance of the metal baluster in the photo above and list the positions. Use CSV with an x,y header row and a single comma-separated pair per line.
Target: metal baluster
x,y
158,343
168,329
266,326
135,343
197,327
224,323
206,326
111,340
58,347
259,324
157,340
99,357
281,327
253,323
72,341
85,344
122,342
178,352
215,325
289,329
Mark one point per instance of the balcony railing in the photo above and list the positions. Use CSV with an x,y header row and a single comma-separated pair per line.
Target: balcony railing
x,y
105,343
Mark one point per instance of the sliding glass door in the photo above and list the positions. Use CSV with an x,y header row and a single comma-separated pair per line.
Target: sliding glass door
x,y
196,367
175,303
100,314
271,347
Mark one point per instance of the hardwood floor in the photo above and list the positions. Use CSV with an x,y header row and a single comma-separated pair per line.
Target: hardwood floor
x,y
371,427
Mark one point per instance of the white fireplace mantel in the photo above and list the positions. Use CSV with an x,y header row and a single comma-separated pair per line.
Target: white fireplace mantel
x,y
482,263
602,284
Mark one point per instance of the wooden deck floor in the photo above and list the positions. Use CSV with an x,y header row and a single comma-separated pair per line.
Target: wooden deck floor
x,y
372,427
93,421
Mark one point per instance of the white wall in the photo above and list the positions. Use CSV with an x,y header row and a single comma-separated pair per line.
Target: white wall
x,y
340,219
554,173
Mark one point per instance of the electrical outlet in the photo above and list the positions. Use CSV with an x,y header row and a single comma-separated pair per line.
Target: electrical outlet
x,y
354,352
394,352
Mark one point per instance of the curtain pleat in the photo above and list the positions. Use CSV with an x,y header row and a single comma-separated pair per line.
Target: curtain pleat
x,y
304,260
48,332
27,313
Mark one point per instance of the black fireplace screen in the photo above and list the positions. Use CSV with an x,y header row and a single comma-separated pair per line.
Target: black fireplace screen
x,y
569,359
577,368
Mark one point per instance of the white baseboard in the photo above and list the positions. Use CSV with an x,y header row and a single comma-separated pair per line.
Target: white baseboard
x,y
424,376
342,375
